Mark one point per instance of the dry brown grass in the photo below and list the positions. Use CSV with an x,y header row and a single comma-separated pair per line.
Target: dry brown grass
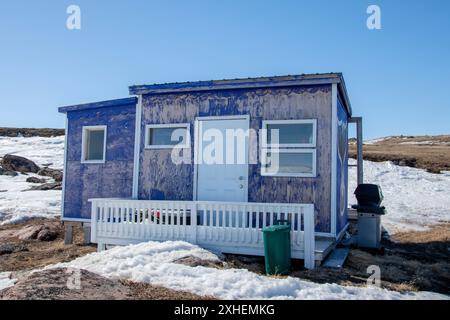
x,y
433,157
36,254
412,261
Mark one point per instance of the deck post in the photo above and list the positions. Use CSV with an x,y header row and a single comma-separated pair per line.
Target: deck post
x,y
68,233
309,237
101,247
93,231
86,233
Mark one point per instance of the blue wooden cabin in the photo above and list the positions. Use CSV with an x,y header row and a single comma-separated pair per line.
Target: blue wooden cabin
x,y
119,161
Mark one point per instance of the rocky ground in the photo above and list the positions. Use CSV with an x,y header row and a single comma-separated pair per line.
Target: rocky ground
x,y
40,242
62,284
12,165
36,244
412,261
431,153
31,132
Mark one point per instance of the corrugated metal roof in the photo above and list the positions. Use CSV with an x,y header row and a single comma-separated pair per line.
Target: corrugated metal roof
x,y
241,83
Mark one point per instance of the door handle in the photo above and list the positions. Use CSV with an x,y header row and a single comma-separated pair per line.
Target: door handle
x,y
241,178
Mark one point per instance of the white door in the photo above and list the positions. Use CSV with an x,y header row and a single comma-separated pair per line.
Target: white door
x,y
222,169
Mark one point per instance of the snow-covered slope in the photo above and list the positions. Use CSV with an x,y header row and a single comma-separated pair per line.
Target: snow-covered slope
x,y
153,262
16,204
414,198
43,151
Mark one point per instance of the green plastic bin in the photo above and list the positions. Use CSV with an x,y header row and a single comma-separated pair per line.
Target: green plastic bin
x,y
277,248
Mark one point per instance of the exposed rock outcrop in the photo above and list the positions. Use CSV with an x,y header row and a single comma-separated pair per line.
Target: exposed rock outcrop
x,y
31,132
52,173
4,172
16,163
35,180
47,186
41,232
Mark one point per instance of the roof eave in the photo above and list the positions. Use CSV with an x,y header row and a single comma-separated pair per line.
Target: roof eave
x,y
263,82
249,83
100,104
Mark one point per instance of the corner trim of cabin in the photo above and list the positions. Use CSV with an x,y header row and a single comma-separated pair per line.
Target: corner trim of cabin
x,y
333,156
137,147
63,191
196,135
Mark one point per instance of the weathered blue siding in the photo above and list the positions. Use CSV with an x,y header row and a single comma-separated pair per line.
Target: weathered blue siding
x,y
342,168
114,178
160,179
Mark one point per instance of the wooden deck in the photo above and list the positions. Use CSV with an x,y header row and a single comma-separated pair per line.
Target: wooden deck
x,y
219,226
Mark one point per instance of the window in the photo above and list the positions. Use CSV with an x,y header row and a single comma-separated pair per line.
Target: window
x,y
93,144
288,148
166,136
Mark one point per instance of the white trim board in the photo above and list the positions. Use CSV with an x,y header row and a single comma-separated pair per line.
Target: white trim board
x,y
333,157
197,124
233,117
76,220
63,191
137,147
85,129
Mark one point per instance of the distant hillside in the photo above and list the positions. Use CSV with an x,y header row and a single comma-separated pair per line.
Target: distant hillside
x,y
31,132
426,152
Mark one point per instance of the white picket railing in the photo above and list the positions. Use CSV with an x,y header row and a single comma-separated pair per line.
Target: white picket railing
x,y
222,226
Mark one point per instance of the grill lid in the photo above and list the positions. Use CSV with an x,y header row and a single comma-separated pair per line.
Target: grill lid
x,y
369,195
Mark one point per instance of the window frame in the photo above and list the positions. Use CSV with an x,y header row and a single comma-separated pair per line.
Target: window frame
x,y
187,144
84,143
313,174
265,124
289,148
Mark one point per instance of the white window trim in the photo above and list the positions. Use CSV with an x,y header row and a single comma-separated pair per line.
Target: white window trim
x,y
289,145
264,172
187,144
83,144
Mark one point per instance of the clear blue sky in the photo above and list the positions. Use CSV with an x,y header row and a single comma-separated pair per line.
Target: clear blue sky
x,y
398,77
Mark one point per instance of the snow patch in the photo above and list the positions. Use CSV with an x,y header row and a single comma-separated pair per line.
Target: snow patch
x,y
18,205
6,281
375,141
153,262
414,199
418,142
43,151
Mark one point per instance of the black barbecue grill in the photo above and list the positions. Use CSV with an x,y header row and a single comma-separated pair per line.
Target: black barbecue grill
x,y
369,210
369,198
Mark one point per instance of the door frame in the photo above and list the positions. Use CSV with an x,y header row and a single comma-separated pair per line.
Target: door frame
x,y
196,142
